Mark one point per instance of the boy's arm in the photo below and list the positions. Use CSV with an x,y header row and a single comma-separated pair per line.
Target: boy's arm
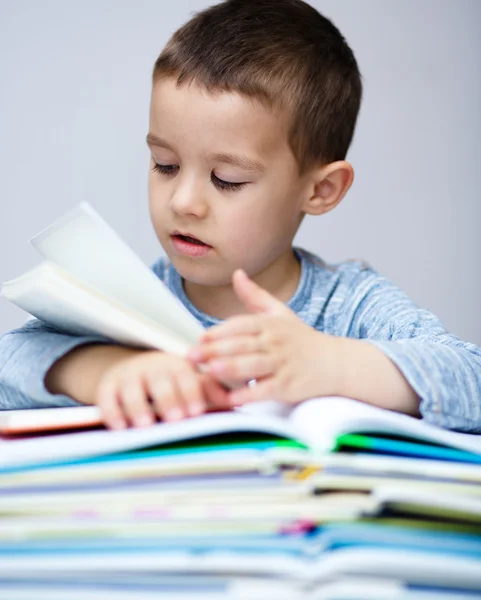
x,y
26,356
367,374
442,371
371,343
90,361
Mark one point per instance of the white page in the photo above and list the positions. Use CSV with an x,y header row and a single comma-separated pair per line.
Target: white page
x,y
379,588
322,419
242,590
160,562
83,244
54,591
400,465
56,297
417,567
428,568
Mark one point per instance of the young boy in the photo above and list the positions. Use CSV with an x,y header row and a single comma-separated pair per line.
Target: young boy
x,y
253,108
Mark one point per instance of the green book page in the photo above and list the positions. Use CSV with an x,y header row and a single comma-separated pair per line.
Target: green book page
x,y
424,524
375,444
435,512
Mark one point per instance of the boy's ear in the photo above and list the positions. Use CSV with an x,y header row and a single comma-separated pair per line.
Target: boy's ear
x,y
329,185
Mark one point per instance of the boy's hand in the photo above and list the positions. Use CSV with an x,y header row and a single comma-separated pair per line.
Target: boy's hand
x,y
290,360
152,384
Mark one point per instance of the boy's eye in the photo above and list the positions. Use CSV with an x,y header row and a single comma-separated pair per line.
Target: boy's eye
x,y
218,183
165,169
226,185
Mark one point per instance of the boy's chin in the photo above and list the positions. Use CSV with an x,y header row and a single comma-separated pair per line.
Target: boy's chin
x,y
202,274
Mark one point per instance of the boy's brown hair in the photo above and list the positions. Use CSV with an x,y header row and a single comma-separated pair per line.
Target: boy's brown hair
x,y
282,53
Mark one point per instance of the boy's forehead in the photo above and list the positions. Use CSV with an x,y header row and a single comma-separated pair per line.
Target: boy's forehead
x,y
230,117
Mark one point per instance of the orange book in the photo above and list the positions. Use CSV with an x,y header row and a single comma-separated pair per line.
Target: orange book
x,y
43,420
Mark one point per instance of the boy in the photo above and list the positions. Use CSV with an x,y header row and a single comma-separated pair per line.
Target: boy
x,y
253,108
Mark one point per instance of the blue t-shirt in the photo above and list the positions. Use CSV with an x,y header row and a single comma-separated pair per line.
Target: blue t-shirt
x,y
349,299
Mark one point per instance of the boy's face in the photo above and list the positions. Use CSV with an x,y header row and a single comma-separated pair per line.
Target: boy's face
x,y
221,171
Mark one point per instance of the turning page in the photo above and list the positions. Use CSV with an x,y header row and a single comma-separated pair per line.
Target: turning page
x,y
59,299
85,246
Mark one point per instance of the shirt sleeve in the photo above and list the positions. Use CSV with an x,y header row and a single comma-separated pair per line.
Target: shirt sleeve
x,y
26,355
444,371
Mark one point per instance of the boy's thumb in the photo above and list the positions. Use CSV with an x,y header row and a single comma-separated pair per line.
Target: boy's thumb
x,y
255,298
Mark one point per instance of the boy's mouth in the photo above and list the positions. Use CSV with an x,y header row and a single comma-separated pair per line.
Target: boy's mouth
x,y
190,239
189,245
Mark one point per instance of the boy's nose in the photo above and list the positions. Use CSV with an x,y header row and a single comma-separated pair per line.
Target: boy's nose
x,y
188,200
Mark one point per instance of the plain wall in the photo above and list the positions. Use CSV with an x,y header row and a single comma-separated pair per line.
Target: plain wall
x,y
74,99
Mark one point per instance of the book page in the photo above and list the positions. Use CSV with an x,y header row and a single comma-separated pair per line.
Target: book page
x,y
56,297
321,420
83,244
90,443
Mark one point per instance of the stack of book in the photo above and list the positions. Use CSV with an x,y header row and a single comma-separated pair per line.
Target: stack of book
x,y
335,499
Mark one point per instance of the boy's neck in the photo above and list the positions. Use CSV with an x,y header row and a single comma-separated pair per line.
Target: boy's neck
x,y
280,279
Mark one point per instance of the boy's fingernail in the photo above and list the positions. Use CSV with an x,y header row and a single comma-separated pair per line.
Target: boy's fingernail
x,y
174,414
196,408
235,400
118,424
143,420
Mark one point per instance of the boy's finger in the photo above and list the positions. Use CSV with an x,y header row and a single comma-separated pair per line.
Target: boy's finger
x,y
226,347
108,404
166,399
135,403
264,390
216,394
242,325
242,368
190,390
254,297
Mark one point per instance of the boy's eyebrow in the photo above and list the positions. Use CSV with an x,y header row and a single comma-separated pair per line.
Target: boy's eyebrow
x,y
237,160
153,140
224,157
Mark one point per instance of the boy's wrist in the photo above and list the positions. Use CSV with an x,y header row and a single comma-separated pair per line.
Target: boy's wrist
x,y
347,353
329,373
343,353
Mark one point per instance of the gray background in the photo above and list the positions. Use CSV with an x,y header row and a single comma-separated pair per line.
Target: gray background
x,y
74,98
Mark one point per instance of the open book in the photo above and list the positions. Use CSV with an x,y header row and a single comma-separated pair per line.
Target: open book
x,y
91,282
317,424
